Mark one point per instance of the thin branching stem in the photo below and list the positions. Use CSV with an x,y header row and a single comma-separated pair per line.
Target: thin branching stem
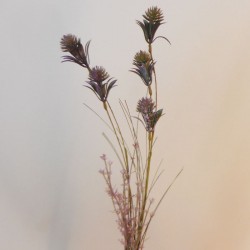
x,y
124,152
98,116
117,138
158,204
145,191
150,50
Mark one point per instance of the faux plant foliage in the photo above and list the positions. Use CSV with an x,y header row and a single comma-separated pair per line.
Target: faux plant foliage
x,y
132,203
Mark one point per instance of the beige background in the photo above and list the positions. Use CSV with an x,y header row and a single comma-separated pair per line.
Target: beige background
x,y
52,196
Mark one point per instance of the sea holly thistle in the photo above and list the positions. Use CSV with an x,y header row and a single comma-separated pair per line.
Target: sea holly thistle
x,y
145,105
73,45
153,18
144,66
132,203
146,108
97,76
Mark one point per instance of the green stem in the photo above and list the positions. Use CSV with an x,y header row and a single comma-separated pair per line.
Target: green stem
x,y
145,194
123,149
114,129
150,49
125,159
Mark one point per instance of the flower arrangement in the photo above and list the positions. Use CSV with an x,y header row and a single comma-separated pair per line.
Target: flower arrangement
x,y
132,203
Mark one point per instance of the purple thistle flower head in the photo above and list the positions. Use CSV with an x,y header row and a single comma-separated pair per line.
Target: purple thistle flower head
x,y
141,57
153,19
101,89
98,74
146,107
154,15
80,55
144,66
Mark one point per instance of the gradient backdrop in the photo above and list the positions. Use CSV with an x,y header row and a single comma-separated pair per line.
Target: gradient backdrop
x,y
51,194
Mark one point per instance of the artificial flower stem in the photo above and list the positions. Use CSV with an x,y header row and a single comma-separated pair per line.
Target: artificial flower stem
x,y
125,156
150,142
114,129
150,91
156,92
145,195
119,131
105,105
